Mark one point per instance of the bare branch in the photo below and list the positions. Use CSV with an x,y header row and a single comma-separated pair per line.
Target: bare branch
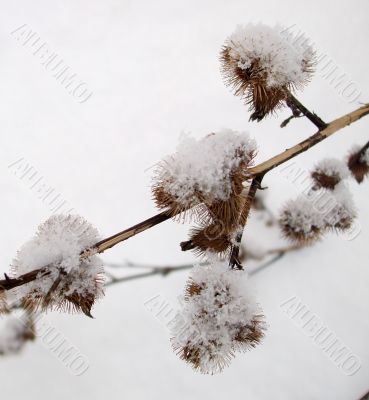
x,y
298,108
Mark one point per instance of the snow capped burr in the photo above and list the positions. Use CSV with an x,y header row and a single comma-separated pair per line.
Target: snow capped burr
x,y
358,163
67,282
218,318
202,170
305,219
262,63
300,221
329,172
204,178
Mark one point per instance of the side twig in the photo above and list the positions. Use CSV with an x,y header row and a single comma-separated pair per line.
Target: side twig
x,y
297,108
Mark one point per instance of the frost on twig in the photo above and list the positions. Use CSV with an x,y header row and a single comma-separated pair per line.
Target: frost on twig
x,y
219,317
67,281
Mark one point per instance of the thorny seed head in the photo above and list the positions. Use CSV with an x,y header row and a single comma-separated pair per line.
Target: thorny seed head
x,y
209,171
358,163
219,317
250,335
262,64
213,238
328,173
305,219
300,223
67,282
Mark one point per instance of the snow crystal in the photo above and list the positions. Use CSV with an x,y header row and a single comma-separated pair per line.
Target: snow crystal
x,y
56,247
212,317
205,165
283,58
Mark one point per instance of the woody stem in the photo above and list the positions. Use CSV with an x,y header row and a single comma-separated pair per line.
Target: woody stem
x,y
297,107
255,185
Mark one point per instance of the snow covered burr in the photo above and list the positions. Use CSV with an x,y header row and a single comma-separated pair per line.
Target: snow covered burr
x,y
203,170
329,172
358,163
343,211
261,63
67,281
305,219
204,178
219,317
300,221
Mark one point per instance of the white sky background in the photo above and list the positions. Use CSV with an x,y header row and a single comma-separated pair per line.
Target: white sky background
x,y
154,72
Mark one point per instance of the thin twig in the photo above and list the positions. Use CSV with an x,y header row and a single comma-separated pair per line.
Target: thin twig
x,y
255,185
164,271
168,270
296,107
333,127
288,120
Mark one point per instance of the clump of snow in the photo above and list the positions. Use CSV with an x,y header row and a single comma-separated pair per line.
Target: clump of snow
x,y
332,167
217,308
56,248
205,166
283,59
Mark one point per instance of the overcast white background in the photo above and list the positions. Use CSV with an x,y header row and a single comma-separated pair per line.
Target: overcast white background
x,y
154,72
